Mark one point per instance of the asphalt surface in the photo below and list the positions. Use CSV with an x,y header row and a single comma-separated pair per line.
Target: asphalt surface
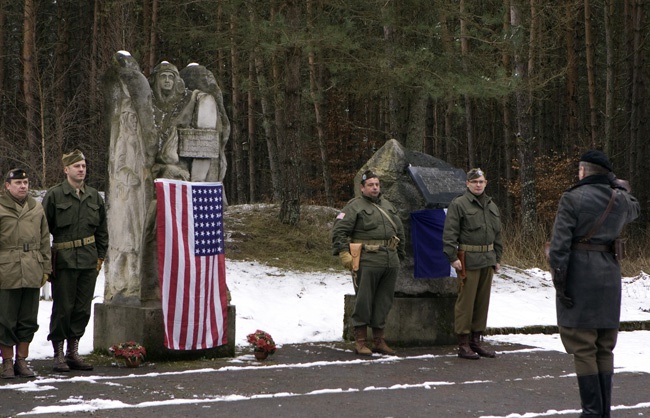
x,y
323,380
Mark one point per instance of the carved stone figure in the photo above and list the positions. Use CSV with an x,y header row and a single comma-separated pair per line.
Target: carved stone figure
x,y
158,129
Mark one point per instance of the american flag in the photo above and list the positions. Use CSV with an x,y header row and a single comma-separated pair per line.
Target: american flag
x,y
191,264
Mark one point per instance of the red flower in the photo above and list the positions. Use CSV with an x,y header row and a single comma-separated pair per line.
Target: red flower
x,y
261,341
129,349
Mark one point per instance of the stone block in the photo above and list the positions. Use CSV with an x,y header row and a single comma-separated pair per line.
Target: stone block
x,y
412,321
116,323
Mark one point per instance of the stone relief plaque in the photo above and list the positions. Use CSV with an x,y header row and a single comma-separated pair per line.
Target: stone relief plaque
x,y
198,143
438,186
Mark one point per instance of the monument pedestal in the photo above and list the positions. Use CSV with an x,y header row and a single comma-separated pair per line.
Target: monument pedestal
x,y
116,323
412,321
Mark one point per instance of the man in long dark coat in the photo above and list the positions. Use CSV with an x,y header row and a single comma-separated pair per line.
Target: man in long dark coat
x,y
587,274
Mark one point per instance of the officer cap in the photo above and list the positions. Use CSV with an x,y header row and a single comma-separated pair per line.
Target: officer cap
x,y
598,158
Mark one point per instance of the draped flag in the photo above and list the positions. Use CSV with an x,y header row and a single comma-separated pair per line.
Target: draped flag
x,y
191,264
426,232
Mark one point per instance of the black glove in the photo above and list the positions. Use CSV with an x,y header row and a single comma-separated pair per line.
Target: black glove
x,y
559,282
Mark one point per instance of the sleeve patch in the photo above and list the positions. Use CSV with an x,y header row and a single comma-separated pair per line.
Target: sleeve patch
x,y
341,215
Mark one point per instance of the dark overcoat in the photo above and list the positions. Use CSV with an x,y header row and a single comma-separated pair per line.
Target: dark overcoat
x,y
593,277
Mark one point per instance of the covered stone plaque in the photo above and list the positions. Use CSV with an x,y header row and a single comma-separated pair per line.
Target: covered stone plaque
x,y
438,186
198,143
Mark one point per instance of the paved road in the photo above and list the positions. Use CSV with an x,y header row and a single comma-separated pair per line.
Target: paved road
x,y
324,380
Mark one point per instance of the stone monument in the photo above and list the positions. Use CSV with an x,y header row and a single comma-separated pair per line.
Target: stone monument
x,y
158,128
423,310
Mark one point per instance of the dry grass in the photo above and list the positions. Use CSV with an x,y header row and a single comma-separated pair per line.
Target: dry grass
x,y
524,254
254,233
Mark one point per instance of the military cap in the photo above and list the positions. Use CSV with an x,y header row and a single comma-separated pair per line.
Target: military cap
x,y
474,173
15,174
72,157
598,158
368,174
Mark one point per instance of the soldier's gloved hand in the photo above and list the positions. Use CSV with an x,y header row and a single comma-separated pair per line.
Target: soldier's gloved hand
x,y
46,277
346,259
559,282
100,261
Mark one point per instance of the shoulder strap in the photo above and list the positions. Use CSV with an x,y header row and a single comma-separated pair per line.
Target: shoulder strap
x,y
602,218
387,217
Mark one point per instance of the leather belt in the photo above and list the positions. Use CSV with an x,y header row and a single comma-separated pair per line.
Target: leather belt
x,y
73,244
603,248
476,248
380,242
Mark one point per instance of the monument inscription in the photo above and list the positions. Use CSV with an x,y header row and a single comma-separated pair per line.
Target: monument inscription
x,y
438,186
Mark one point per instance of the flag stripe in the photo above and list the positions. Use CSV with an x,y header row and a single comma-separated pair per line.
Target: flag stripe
x,y
191,264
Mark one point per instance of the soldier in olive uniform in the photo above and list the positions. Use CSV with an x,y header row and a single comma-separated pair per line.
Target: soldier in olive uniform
x,y
473,225
77,218
372,221
25,261
587,274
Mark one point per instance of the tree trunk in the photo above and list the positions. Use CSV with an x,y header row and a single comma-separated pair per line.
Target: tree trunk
x,y
608,11
572,73
525,141
469,112
316,92
238,166
251,131
29,79
591,83
290,150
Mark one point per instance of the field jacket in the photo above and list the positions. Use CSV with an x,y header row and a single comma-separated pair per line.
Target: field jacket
x,y
24,244
470,223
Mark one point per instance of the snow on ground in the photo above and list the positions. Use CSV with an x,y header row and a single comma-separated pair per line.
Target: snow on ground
x,y
308,307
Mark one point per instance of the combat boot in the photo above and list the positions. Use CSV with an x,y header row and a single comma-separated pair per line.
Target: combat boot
x,y
59,364
360,337
72,356
8,368
464,350
475,345
21,369
380,344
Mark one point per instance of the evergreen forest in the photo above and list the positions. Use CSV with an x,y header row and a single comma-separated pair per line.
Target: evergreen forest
x,y
313,88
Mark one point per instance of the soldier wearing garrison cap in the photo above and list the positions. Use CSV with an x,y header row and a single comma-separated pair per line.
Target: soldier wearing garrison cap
x,y
372,224
472,243
25,260
77,219
584,262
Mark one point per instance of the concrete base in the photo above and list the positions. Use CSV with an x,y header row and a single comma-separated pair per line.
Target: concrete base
x,y
412,321
115,323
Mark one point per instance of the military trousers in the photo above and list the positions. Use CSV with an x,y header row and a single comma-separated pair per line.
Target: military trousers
x,y
72,296
18,315
471,309
375,295
592,349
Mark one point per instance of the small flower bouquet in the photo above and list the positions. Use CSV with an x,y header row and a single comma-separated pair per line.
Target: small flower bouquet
x,y
262,342
129,351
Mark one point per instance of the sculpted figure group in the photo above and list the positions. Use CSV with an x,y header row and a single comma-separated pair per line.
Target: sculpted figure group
x,y
172,125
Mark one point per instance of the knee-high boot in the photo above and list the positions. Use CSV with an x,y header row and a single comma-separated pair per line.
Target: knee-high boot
x,y
591,397
606,390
